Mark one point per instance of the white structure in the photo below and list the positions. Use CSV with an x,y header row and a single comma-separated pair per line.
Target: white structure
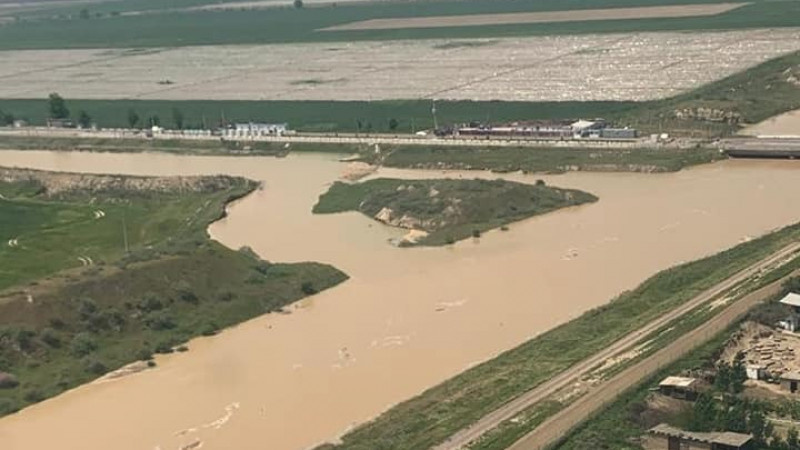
x,y
253,129
754,371
791,323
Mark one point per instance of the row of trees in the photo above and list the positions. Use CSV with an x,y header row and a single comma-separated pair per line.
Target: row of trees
x,y
739,415
58,109
136,121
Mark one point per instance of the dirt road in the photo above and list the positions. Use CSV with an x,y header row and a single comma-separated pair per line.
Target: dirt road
x,y
564,420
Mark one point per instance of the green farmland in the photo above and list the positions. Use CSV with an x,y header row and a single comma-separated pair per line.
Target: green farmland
x,y
160,26
100,271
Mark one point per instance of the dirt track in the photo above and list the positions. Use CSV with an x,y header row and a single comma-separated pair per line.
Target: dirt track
x,y
559,424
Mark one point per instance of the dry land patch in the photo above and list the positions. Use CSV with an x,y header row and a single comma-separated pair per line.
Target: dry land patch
x,y
644,12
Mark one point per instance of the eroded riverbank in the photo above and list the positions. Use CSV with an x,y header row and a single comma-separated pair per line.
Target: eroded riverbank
x,y
408,318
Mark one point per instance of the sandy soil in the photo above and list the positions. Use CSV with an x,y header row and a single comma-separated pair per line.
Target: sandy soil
x,y
787,124
551,68
645,12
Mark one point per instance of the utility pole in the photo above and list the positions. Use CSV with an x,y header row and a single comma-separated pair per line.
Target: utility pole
x,y
125,233
433,112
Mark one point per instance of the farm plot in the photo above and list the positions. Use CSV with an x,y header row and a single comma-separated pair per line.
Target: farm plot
x,y
634,66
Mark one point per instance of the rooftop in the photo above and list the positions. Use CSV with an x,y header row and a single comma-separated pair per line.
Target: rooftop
x,y
791,299
791,376
724,437
682,382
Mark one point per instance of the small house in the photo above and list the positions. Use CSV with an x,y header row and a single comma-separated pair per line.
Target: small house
x,y
682,388
789,382
792,321
670,438
755,371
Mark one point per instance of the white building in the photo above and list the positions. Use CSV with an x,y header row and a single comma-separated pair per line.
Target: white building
x,y
253,129
791,323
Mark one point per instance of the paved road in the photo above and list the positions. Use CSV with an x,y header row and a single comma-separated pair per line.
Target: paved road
x,y
560,424
544,390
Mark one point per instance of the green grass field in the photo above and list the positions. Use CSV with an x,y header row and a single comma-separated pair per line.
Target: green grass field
x,y
448,210
167,27
65,321
551,160
437,413
51,234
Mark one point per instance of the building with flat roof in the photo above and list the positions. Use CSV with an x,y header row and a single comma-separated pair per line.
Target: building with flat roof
x,y
683,388
790,382
666,437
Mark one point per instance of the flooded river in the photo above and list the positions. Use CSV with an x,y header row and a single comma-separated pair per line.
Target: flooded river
x,y
408,318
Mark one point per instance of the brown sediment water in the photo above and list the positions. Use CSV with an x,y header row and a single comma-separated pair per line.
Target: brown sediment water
x,y
408,318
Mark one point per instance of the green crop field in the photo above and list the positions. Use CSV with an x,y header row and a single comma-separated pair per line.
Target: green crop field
x,y
173,27
99,271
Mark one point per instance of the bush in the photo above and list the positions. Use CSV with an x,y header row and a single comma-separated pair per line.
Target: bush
x,y
82,344
209,329
95,366
8,381
164,348
308,288
476,233
226,296
33,396
159,321
50,337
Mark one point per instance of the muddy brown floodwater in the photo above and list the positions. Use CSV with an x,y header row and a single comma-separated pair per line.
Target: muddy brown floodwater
x,y
408,318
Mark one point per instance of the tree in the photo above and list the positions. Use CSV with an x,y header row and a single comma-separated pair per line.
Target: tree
x,y
792,439
177,118
58,108
704,413
298,4
738,374
723,379
393,124
84,14
133,118
6,118
154,120
84,120
759,427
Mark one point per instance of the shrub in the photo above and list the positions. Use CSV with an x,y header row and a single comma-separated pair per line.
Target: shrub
x,y
33,396
164,348
159,321
476,233
95,366
50,337
82,344
308,288
8,381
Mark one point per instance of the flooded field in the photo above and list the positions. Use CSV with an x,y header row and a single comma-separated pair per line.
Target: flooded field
x,y
408,318
548,68
786,124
